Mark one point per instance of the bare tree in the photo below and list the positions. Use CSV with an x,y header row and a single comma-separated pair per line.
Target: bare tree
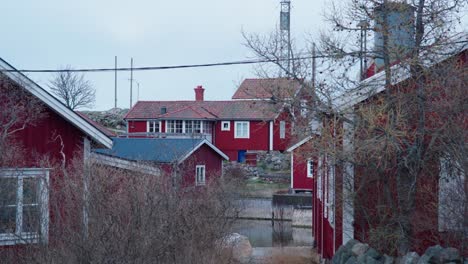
x,y
18,110
401,131
73,89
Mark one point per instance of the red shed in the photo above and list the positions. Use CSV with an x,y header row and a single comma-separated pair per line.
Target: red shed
x,y
196,161
57,136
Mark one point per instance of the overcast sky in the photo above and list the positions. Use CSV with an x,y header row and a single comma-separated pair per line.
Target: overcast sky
x,y
49,34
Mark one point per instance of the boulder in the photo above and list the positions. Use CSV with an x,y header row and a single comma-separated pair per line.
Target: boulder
x,y
240,247
359,249
409,258
388,260
352,260
450,255
431,255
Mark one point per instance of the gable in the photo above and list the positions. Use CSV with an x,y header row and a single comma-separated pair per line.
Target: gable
x,y
54,104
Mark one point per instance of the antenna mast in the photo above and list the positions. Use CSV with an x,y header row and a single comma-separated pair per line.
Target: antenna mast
x,y
285,35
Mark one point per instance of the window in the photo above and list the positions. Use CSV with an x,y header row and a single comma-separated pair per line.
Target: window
x,y
174,126
154,126
282,129
241,129
189,126
197,126
200,175
24,213
225,126
304,109
310,168
452,196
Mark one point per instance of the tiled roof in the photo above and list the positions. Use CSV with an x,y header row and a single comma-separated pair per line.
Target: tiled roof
x,y
100,127
280,88
162,150
215,110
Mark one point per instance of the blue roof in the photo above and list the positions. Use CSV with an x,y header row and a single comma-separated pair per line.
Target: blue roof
x,y
150,149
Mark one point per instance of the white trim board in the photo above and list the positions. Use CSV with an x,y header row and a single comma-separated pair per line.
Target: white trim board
x,y
54,104
204,141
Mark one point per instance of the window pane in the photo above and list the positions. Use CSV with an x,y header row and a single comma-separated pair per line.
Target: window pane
x,y
8,191
31,218
30,191
196,126
8,219
151,127
178,128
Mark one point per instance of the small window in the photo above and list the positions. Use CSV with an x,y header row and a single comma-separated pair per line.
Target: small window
x,y
24,214
310,168
282,129
225,126
154,127
304,109
200,175
242,129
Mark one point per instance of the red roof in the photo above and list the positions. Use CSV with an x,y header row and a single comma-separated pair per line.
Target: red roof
x,y
279,88
216,110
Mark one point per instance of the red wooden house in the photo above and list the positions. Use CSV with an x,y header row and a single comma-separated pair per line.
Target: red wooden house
x,y
236,127
303,166
336,219
28,183
194,161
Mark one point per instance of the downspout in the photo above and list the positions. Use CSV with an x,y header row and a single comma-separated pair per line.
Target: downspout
x,y
292,170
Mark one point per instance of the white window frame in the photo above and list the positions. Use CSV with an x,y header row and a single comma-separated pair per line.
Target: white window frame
x,y
20,237
242,123
304,110
282,125
200,179
228,125
310,168
451,196
148,125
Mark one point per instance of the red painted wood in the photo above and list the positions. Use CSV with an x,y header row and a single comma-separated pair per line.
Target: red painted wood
x,y
137,126
279,143
258,140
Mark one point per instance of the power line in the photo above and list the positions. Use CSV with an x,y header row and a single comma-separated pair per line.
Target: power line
x,y
154,68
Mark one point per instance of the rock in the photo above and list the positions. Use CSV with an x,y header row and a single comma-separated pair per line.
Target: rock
x,y
239,246
409,258
388,260
359,249
370,260
372,253
431,255
352,260
450,255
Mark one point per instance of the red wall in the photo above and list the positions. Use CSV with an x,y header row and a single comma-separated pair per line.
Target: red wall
x,y
45,138
225,141
281,144
136,126
300,179
202,156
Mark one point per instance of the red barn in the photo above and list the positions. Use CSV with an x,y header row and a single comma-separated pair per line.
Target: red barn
x,y
57,136
196,161
236,127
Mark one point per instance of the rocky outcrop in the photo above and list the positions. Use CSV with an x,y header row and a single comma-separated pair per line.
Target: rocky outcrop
x,y
112,118
356,252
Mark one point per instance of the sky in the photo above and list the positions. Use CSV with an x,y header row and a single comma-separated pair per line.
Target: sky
x,y
51,34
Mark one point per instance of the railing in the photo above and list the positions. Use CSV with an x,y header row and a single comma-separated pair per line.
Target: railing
x,y
206,136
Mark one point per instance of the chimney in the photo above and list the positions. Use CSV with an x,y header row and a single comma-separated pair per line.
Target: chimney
x,y
199,93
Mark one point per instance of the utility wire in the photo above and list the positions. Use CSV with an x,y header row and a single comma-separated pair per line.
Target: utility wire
x,y
154,68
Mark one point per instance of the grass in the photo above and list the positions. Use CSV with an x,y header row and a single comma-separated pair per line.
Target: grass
x,y
257,187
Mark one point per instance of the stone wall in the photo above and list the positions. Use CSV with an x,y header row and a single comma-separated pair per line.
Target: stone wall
x,y
355,252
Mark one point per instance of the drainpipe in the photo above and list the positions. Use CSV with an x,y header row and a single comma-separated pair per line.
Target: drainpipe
x,y
334,185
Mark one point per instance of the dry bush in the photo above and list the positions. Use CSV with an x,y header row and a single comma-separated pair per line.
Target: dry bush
x,y
106,215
